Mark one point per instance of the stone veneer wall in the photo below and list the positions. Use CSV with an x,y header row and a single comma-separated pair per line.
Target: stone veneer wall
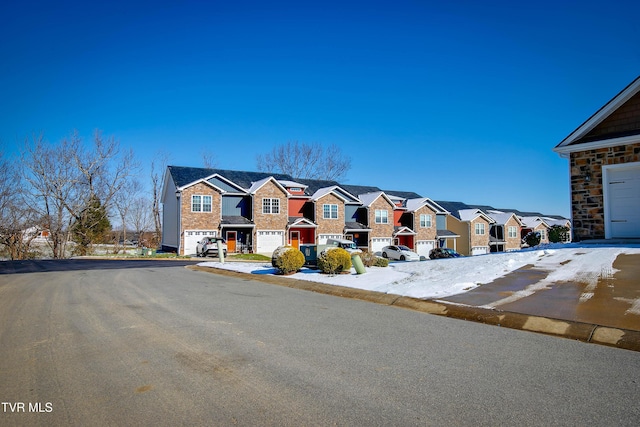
x,y
270,221
424,233
477,240
329,226
587,199
199,220
380,230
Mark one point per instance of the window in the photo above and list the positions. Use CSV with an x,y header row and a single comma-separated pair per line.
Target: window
x,y
543,233
200,203
270,206
330,211
513,231
425,221
382,216
480,228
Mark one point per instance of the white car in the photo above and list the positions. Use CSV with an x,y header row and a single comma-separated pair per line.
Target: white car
x,y
209,246
399,252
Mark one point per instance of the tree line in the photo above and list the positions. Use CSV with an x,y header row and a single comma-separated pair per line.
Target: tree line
x,y
71,191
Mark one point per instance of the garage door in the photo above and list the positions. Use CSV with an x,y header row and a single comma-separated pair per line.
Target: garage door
x,y
479,250
377,243
623,200
192,237
423,247
268,241
322,238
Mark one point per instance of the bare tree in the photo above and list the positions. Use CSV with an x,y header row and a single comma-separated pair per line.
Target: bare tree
x,y
141,218
18,221
308,161
158,167
66,179
208,159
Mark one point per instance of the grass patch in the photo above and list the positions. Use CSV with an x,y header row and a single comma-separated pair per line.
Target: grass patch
x,y
250,257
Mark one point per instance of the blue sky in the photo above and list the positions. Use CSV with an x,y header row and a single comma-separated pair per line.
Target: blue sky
x,y
453,100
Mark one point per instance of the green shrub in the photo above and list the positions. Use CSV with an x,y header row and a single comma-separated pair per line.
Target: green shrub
x,y
369,259
381,262
532,239
334,261
289,261
558,233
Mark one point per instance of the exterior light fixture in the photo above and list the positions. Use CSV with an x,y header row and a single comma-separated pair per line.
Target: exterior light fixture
x,y
587,176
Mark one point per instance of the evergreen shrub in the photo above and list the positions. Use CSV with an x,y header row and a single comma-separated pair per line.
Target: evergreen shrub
x,y
334,261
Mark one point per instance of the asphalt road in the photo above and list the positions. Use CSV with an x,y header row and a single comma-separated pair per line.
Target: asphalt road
x,y
157,344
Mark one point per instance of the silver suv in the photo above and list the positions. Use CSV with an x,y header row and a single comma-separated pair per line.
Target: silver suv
x,y
209,246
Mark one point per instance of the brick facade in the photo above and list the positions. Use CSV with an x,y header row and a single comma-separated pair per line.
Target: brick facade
x,y
477,240
424,233
269,221
329,226
512,243
587,199
199,220
380,230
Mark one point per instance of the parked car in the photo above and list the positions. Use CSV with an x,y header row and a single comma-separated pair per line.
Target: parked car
x,y
209,246
438,253
347,245
399,252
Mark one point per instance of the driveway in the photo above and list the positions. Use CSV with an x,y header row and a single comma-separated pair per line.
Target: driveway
x,y
612,302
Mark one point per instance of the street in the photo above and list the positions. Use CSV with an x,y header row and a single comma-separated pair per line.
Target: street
x,y
152,343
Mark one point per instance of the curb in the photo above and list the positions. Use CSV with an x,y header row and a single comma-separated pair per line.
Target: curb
x,y
586,332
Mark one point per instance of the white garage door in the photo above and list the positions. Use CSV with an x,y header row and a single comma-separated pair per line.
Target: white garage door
x,y
268,241
192,237
623,200
322,238
479,250
423,247
377,243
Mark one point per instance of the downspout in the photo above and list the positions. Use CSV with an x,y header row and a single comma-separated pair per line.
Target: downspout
x,y
179,230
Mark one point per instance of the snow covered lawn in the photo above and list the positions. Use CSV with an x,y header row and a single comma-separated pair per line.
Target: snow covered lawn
x,y
440,278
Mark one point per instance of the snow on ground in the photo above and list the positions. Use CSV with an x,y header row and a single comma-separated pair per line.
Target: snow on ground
x,y
434,279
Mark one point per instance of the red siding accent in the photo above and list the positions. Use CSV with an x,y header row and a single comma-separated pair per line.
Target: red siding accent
x,y
296,207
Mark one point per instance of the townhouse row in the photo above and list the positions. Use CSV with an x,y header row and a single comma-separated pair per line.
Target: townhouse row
x,y
257,212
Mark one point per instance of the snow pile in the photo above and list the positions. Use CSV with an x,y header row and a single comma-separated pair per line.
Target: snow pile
x,y
445,277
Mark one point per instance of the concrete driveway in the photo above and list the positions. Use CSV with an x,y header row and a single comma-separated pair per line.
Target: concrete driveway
x,y
612,302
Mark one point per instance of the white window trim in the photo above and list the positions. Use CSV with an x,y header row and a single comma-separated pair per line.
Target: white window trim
x,y
514,229
384,219
272,205
480,226
331,211
428,223
201,203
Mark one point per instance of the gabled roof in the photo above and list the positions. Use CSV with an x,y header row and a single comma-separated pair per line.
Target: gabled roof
x,y
367,199
501,218
403,231
582,139
337,191
533,221
295,221
259,184
471,214
183,176
413,205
